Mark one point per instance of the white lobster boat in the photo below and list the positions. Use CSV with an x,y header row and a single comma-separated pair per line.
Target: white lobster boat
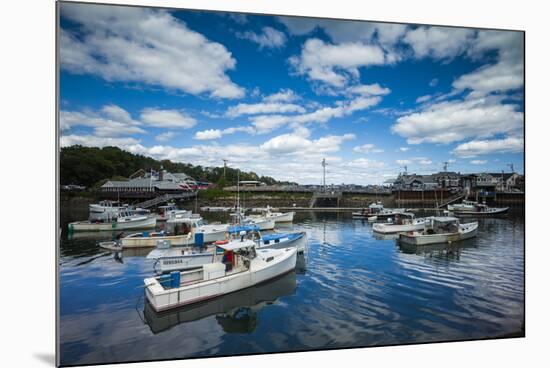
x,y
275,216
440,230
105,209
124,221
181,258
147,239
377,210
186,232
409,223
249,266
474,208
178,216
167,211
263,224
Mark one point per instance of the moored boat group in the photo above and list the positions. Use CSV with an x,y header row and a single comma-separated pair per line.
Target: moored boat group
x,y
432,229
195,261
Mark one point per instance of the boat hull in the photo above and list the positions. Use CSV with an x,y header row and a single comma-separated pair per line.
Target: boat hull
x,y
299,242
147,223
283,217
265,224
492,211
164,299
392,229
426,239
151,241
385,214
174,259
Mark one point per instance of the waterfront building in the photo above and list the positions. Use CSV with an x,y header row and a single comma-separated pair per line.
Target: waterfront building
x,y
144,184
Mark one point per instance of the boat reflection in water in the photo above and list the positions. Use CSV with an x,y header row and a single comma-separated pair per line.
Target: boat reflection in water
x,y
380,236
442,250
235,313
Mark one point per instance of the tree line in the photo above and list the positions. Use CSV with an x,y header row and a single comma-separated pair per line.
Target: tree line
x,y
92,166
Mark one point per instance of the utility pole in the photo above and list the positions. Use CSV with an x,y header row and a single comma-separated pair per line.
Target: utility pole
x,y
224,166
324,164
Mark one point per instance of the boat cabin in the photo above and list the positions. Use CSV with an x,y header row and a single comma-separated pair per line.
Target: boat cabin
x,y
442,225
404,218
167,209
236,258
108,203
186,225
375,208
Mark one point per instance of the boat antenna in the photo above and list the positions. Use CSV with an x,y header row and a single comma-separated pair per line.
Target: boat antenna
x,y
445,165
511,166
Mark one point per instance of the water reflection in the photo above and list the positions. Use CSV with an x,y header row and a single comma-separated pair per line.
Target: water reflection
x,y
444,250
352,289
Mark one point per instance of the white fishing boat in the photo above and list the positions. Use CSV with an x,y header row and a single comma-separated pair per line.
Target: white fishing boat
x,y
268,214
182,216
440,230
474,208
105,210
187,231
167,211
168,258
181,258
124,221
248,266
403,223
377,209
215,209
285,240
146,239
226,308
262,222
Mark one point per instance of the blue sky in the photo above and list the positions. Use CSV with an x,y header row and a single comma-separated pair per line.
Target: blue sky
x,y
276,95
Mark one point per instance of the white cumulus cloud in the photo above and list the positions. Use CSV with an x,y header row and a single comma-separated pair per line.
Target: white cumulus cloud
x,y
335,65
453,121
268,38
478,162
166,136
263,108
167,118
145,46
208,134
439,42
484,147
367,148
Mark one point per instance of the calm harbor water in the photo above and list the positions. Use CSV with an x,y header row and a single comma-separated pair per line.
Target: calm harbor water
x,y
351,290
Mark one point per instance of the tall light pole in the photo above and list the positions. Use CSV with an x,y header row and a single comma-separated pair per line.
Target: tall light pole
x,y
224,166
324,164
